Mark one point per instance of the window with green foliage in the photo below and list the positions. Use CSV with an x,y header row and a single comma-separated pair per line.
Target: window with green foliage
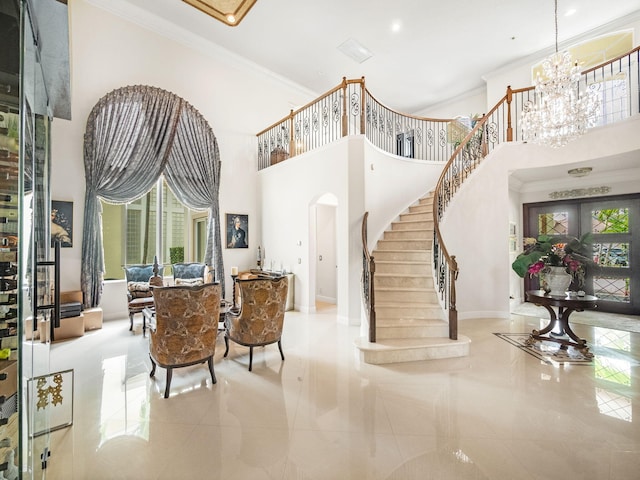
x,y
132,232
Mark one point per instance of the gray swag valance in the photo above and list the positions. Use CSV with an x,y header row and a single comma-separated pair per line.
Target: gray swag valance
x,y
133,135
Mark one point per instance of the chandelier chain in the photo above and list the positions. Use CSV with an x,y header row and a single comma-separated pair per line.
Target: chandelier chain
x,y
556,19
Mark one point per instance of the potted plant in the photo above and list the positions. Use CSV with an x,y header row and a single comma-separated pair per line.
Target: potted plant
x,y
547,256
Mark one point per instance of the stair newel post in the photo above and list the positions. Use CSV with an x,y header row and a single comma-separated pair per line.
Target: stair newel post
x,y
362,106
292,145
453,312
345,122
372,301
509,126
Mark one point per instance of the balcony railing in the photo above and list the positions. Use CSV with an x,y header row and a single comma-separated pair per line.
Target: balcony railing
x,y
350,109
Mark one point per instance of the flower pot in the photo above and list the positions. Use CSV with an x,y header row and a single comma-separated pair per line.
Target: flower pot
x,y
556,281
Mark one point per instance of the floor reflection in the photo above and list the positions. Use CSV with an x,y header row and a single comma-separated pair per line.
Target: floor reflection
x,y
321,414
125,406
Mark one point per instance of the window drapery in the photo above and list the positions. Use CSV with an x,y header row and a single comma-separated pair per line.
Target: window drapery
x,y
132,136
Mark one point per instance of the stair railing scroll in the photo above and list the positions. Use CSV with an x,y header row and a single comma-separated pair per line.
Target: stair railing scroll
x,y
368,273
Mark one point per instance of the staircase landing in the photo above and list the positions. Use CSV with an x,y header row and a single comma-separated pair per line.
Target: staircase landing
x,y
396,350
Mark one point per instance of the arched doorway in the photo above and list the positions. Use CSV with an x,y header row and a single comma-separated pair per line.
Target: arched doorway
x,y
323,251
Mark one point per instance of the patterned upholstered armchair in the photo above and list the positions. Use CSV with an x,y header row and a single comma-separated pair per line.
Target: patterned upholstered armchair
x,y
261,317
191,273
141,279
185,328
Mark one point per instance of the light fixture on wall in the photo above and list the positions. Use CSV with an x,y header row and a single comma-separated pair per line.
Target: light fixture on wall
x,y
580,171
229,12
560,113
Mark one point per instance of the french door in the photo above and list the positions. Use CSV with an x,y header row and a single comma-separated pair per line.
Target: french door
x,y
614,223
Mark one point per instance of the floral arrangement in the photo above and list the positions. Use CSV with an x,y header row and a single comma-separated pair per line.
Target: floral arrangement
x,y
545,251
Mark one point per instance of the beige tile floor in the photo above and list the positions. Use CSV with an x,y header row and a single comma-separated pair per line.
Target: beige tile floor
x,y
321,414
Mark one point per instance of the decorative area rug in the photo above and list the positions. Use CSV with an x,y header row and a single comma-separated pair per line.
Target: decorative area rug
x,y
548,352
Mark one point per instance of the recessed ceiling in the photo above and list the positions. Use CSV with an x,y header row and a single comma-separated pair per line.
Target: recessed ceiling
x,y
230,12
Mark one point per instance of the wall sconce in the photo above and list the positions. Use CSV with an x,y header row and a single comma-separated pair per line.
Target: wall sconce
x,y
580,172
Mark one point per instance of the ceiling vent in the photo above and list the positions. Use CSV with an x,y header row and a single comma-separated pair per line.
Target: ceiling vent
x,y
355,50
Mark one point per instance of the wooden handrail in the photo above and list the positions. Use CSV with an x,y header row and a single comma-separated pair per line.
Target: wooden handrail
x,y
311,103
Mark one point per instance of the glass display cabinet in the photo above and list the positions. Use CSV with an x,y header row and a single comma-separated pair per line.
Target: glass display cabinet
x,y
28,264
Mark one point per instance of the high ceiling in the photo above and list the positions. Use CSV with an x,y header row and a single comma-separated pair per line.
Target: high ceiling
x,y
441,49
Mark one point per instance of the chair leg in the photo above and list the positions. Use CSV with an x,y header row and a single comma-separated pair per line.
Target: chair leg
x,y
130,321
250,357
168,387
226,345
153,367
213,375
280,348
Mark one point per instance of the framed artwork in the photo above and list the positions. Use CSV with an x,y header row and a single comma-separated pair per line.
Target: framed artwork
x,y
237,230
62,223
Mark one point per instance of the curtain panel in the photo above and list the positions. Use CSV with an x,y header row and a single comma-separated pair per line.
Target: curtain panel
x,y
130,136
193,175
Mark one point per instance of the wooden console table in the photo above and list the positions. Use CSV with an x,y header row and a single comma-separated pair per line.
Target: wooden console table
x,y
566,306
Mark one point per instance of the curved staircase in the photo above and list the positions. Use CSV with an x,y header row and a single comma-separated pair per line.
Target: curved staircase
x,y
410,323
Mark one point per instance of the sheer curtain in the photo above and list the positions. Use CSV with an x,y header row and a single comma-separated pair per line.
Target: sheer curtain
x,y
130,136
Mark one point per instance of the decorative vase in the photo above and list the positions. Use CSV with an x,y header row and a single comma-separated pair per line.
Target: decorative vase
x,y
556,281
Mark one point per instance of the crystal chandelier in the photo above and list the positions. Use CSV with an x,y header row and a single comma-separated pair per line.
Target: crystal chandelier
x,y
560,112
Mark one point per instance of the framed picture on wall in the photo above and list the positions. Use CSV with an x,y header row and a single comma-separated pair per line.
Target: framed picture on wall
x,y
62,223
237,230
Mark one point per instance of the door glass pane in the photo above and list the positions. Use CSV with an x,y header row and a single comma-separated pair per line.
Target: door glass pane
x,y
612,289
553,223
611,254
614,220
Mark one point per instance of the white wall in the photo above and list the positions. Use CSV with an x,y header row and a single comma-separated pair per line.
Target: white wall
x,y
109,52
392,184
361,178
475,226
290,191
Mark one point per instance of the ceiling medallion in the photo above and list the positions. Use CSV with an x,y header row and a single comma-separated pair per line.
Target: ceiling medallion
x,y
229,12
560,112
